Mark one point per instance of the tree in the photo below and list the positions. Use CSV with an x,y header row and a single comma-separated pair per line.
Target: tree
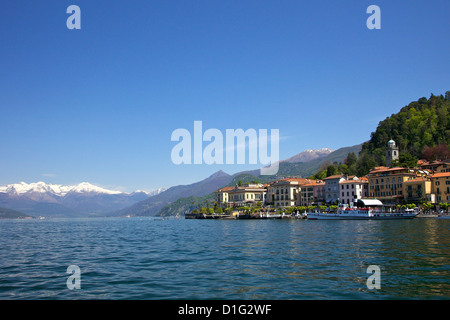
x,y
427,206
351,159
405,160
440,152
332,170
365,163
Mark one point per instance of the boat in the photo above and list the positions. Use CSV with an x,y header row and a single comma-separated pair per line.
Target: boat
x,y
370,209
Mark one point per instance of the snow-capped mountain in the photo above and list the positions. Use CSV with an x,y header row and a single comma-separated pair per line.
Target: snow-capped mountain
x,y
150,193
54,189
309,155
40,198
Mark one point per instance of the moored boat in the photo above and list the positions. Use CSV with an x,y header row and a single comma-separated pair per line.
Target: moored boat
x,y
371,209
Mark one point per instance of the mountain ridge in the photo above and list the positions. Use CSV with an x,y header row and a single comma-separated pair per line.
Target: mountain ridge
x,y
309,155
84,199
154,205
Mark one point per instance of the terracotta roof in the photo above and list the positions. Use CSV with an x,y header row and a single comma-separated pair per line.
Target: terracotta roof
x,y
225,189
336,176
384,169
314,184
355,181
299,180
418,179
441,174
421,162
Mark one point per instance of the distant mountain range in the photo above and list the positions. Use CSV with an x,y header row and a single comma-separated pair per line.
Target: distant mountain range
x,y
179,199
85,199
151,206
52,200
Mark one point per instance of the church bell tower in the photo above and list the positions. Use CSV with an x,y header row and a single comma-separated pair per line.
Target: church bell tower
x,y
391,153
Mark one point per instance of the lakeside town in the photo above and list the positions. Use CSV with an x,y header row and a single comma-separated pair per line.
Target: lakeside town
x,y
425,188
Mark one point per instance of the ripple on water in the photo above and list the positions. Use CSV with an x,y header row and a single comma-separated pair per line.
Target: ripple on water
x,y
196,259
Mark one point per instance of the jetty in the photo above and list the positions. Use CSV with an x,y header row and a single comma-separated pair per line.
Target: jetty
x,y
242,216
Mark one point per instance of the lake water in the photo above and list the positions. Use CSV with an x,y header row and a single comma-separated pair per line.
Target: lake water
x,y
145,258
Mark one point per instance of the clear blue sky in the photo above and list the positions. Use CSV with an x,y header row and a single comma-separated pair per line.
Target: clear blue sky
x,y
99,104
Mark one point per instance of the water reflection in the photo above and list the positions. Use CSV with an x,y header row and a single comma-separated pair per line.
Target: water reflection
x,y
207,259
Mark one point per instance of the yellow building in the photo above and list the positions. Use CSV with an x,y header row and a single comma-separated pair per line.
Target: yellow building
x,y
417,190
285,192
440,185
386,184
248,194
222,195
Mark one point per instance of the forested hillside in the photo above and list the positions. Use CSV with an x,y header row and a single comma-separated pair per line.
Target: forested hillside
x,y
420,129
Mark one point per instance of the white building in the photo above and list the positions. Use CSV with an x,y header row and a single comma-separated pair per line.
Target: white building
x,y
353,189
332,188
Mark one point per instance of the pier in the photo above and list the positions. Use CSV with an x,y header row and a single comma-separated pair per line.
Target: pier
x,y
243,216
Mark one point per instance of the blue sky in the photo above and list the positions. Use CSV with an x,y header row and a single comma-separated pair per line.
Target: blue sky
x,y
99,104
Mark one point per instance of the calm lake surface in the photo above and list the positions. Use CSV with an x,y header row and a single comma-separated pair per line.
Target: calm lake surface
x,y
145,258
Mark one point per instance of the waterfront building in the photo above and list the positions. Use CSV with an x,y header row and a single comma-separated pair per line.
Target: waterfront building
x,y
386,184
285,192
418,190
352,189
221,196
312,193
248,194
440,186
332,188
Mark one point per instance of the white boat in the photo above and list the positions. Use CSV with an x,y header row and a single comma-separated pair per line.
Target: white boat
x,y
362,214
373,209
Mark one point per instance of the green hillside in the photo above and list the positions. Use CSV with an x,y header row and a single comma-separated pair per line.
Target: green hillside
x,y
12,214
421,130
